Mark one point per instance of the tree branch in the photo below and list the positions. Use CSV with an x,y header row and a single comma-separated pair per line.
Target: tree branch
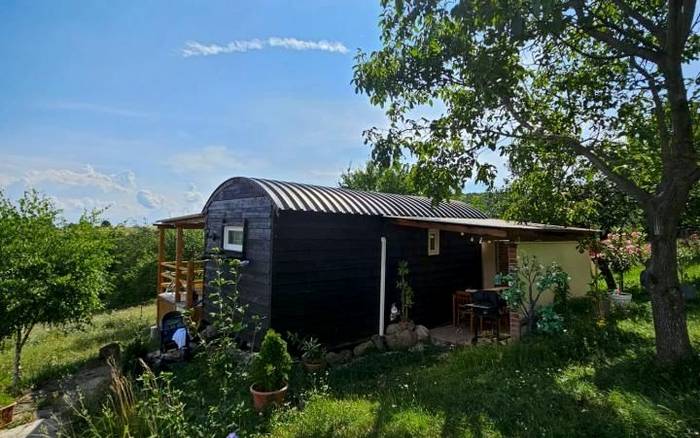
x,y
585,24
624,183
664,133
640,18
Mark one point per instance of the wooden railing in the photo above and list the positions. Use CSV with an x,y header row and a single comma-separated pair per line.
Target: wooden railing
x,y
184,279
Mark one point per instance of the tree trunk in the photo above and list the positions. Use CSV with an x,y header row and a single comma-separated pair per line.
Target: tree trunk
x,y
607,274
17,374
668,305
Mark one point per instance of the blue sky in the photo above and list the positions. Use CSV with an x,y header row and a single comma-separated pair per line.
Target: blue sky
x,y
146,106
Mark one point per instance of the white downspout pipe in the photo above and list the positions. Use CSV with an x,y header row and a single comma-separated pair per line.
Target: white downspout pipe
x,y
382,288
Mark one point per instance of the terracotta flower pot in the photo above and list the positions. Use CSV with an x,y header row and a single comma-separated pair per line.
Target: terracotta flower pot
x,y
263,399
7,413
312,367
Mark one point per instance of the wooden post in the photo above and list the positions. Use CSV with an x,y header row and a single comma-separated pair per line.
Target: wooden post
x,y
190,282
178,263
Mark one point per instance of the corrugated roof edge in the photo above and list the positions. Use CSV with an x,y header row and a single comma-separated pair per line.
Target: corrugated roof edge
x,y
315,198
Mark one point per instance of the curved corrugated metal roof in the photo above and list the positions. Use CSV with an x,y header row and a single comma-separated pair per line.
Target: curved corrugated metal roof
x,y
307,197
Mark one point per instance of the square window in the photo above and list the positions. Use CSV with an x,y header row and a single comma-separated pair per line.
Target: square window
x,y
433,241
233,238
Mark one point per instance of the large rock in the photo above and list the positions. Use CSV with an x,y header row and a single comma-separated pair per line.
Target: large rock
x,y
396,327
333,358
346,356
111,350
423,333
363,348
378,342
338,358
401,340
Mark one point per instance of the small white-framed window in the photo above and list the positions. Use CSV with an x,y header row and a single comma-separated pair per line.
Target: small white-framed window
x,y
433,241
233,238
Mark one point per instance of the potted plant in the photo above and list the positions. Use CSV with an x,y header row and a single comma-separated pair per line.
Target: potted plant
x,y
312,352
7,409
270,371
619,298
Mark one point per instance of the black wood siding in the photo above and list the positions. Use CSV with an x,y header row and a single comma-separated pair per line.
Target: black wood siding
x,y
240,201
326,268
434,278
325,278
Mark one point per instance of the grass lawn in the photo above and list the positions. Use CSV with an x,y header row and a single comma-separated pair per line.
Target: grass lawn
x,y
598,379
53,352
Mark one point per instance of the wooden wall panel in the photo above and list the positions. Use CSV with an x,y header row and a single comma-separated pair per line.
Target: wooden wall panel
x,y
236,202
326,271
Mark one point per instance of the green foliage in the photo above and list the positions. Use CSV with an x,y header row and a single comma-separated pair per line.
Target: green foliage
x,y
549,321
311,349
270,368
51,272
6,400
135,261
376,178
405,290
622,250
688,253
527,285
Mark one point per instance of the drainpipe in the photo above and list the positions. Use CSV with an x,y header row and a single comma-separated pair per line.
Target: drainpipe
x,y
382,288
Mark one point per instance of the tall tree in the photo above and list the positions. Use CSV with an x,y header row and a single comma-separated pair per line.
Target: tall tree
x,y
50,272
376,178
582,77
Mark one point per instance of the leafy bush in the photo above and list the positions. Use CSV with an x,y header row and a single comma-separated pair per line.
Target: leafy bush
x,y
549,321
270,368
527,285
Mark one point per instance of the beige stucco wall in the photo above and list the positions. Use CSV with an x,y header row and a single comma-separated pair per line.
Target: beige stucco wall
x,y
488,263
567,255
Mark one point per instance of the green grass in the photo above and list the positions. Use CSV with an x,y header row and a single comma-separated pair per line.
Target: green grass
x,y
53,352
594,380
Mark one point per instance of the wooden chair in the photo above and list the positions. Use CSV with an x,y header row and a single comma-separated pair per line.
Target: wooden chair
x,y
459,300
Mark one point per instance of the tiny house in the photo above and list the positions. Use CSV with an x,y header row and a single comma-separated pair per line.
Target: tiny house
x,y
323,261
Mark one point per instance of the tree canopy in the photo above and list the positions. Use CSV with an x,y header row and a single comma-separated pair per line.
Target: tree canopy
x,y
597,82
51,272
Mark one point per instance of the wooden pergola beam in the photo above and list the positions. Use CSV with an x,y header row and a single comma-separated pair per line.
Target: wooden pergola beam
x,y
467,229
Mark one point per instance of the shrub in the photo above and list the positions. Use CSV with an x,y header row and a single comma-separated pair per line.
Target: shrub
x,y
526,286
549,321
270,368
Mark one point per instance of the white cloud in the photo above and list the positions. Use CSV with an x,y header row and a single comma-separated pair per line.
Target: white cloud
x,y
193,196
195,48
87,178
149,199
7,180
295,44
81,204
